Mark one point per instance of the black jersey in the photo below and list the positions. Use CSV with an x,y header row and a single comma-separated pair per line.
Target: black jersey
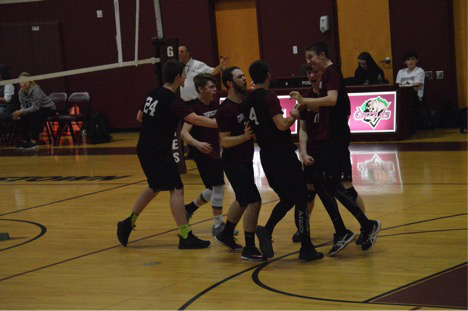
x,y
260,108
162,113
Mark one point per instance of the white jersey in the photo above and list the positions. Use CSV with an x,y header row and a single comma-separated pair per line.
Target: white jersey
x,y
193,67
417,75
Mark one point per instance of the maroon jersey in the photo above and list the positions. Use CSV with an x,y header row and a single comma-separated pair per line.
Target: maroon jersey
x,y
261,106
205,134
231,119
311,119
334,120
162,112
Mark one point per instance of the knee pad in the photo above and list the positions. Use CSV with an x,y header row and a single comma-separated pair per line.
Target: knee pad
x,y
311,195
206,195
217,197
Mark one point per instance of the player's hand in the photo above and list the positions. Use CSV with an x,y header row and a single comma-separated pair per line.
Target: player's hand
x,y
307,159
294,113
17,114
248,132
297,96
204,147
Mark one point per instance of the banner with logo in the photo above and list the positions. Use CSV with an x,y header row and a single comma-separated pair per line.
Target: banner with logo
x,y
373,112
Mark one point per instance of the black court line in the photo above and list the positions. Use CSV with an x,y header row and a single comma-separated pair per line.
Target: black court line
x,y
422,221
77,197
42,227
72,198
102,250
257,281
416,282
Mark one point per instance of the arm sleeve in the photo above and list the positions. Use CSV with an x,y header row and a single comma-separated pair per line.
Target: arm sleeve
x,y
222,118
273,105
333,83
203,68
180,108
419,78
398,77
35,101
8,92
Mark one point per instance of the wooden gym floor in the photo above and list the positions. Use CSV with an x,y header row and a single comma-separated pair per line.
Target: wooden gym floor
x,y
60,207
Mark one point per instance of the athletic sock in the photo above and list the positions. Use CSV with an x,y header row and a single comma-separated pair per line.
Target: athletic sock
x,y
218,220
191,207
229,228
184,231
249,239
133,218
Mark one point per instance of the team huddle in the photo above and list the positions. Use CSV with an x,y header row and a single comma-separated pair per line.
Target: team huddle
x,y
221,141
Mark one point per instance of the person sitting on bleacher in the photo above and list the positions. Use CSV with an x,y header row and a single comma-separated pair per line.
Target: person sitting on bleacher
x,y
35,108
6,94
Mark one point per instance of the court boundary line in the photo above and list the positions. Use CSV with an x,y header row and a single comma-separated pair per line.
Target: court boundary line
x,y
193,299
395,290
77,197
41,226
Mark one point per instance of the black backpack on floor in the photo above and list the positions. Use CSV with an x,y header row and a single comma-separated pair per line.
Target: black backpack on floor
x,y
96,130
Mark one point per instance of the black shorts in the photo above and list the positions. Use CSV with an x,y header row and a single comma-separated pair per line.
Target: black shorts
x,y
211,171
241,177
332,159
161,171
284,172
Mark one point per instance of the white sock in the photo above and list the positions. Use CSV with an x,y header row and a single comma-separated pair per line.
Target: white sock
x,y
218,219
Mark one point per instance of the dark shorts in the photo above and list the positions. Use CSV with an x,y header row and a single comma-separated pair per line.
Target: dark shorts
x,y
211,171
284,172
241,177
332,159
161,171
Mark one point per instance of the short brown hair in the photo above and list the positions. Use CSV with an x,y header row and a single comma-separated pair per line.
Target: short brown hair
x,y
202,79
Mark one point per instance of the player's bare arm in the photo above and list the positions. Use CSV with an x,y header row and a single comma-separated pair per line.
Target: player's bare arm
x,y
201,120
189,139
314,103
139,116
228,141
283,123
303,137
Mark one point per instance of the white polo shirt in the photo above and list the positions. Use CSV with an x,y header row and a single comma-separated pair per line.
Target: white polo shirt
x,y
417,75
193,67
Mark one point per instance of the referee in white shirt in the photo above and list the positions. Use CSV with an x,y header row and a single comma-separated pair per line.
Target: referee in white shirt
x,y
194,67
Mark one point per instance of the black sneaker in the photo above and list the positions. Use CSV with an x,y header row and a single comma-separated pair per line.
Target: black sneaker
x,y
309,254
296,237
252,254
228,241
124,228
266,244
30,146
340,242
192,242
360,238
370,237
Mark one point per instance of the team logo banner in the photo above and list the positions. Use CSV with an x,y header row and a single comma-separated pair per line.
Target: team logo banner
x,y
373,112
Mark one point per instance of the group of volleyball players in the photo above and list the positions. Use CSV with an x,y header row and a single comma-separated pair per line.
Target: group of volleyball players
x,y
242,119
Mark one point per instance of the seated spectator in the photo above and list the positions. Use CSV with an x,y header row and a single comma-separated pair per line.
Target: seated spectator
x,y
35,108
368,72
6,94
412,75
